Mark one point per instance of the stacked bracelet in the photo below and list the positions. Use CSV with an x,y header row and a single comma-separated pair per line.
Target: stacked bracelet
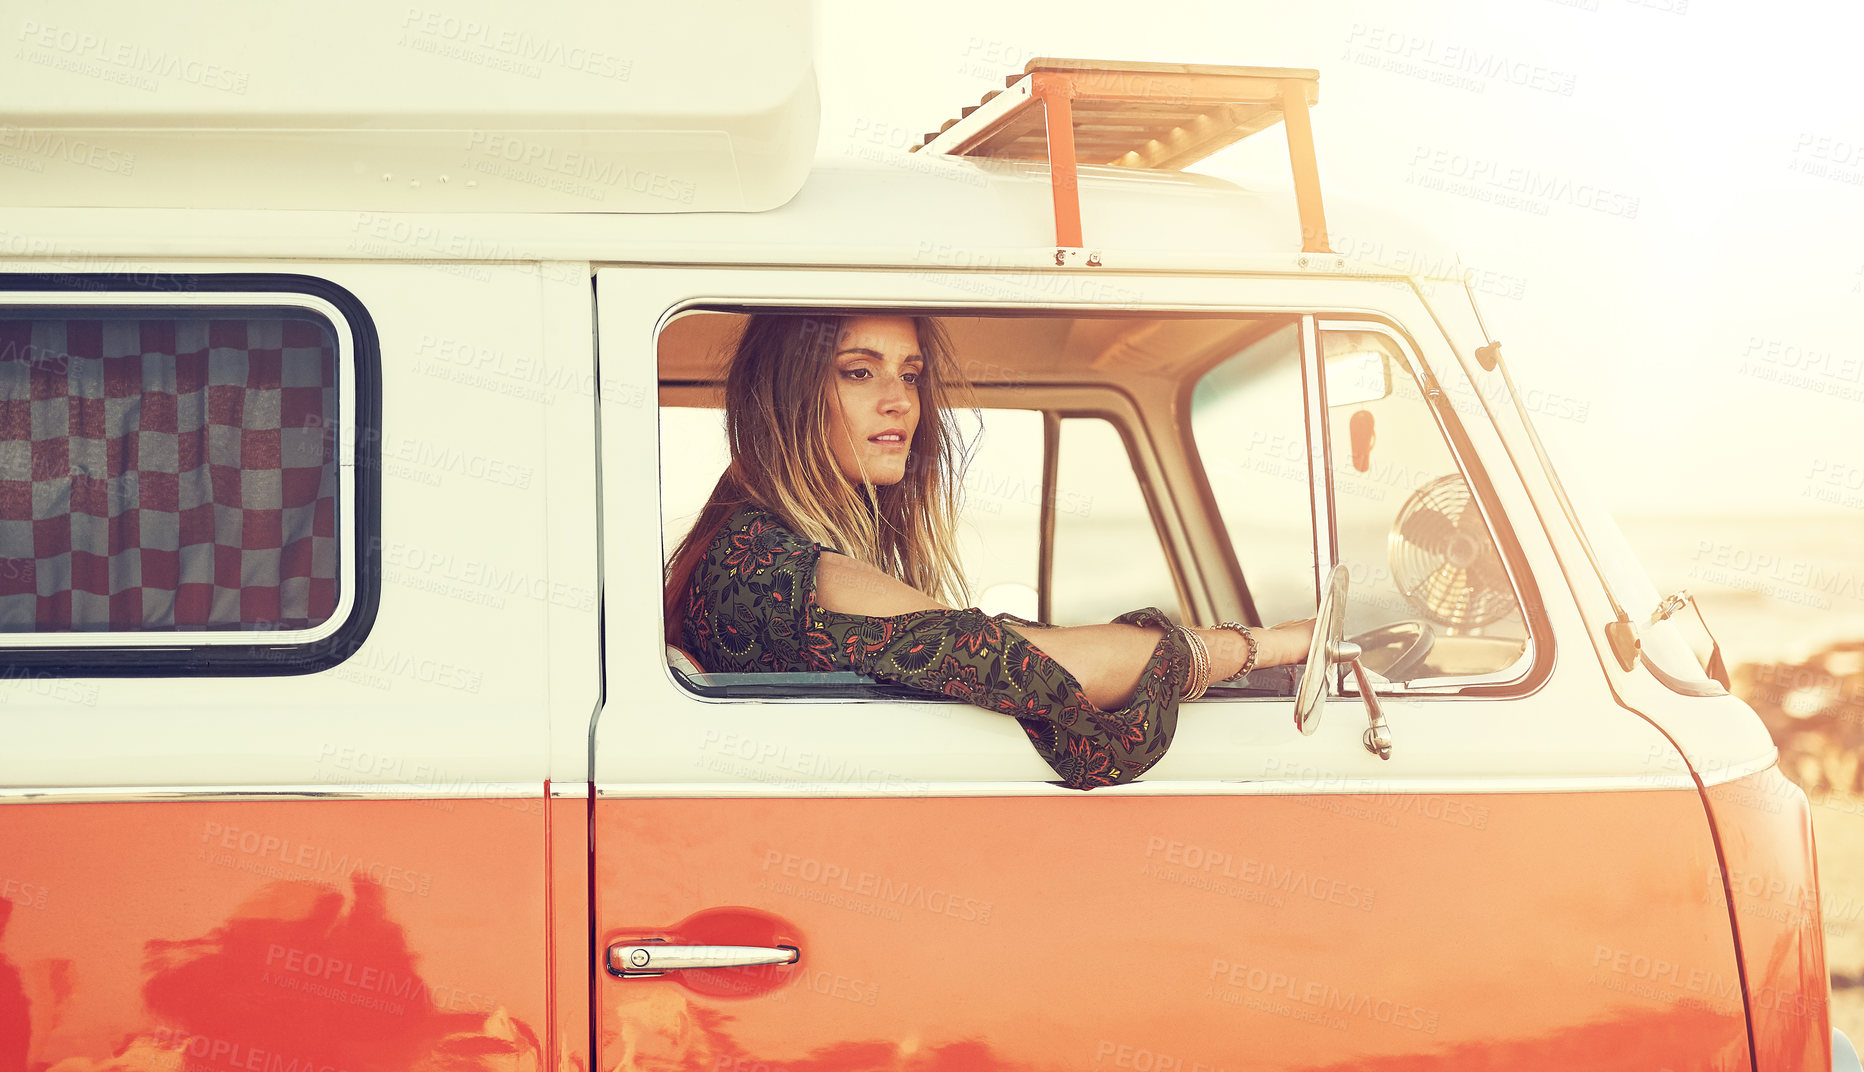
x,y
1249,662
1200,665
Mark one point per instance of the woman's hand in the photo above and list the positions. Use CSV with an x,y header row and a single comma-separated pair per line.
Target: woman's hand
x,y
1275,646
1297,636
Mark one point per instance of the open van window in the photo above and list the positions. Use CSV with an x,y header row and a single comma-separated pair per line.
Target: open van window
x,y
1078,506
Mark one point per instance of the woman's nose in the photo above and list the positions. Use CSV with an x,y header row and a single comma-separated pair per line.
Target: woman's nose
x,y
895,396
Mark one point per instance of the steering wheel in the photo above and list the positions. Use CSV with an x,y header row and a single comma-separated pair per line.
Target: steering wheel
x,y
1396,649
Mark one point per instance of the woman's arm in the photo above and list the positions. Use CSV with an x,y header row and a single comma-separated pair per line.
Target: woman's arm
x,y
1106,659
847,586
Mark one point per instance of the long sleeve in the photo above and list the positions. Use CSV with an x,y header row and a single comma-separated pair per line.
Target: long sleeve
x,y
752,606
986,661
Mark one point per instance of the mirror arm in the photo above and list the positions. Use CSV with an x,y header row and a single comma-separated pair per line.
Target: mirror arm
x,y
1329,649
1378,735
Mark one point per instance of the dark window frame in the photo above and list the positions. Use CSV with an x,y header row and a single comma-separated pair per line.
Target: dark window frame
x,y
151,658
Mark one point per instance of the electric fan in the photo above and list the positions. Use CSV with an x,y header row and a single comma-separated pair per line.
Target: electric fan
x,y
1443,561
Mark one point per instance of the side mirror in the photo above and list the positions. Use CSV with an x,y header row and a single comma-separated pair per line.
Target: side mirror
x,y
1328,649
1329,631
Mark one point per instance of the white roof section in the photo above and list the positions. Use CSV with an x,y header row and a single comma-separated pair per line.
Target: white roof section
x,y
884,208
471,106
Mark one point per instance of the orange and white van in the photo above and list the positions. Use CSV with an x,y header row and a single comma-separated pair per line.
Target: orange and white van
x,y
359,364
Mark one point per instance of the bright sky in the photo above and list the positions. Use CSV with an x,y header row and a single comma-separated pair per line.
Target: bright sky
x,y
1695,285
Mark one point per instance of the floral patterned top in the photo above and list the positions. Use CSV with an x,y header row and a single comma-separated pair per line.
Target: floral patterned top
x,y
752,606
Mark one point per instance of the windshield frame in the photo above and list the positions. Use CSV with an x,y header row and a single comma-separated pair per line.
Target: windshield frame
x,y
1528,668
1626,573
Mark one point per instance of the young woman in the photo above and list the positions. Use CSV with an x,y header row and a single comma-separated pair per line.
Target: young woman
x,y
841,442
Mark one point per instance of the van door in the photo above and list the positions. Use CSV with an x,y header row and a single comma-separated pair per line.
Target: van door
x,y
337,862
1514,887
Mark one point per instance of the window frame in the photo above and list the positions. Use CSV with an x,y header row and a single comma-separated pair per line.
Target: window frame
x,y
236,652
1534,665
1531,670
666,741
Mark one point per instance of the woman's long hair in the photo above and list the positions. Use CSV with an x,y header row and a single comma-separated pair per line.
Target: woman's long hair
x,y
778,395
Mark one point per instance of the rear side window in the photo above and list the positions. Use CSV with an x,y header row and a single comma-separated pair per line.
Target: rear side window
x,y
182,478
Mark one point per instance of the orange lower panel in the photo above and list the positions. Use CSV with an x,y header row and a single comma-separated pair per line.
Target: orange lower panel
x,y
1766,831
315,936
570,963
1174,934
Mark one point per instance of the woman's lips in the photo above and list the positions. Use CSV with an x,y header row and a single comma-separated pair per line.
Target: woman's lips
x,y
888,439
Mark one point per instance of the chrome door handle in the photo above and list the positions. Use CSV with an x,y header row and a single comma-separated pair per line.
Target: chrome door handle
x,y
645,959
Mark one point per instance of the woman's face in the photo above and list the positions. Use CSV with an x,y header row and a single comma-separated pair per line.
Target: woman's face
x,y
875,408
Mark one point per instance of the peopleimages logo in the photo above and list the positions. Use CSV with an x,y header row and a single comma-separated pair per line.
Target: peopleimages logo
x,y
24,894
1321,998
901,893
256,849
1512,185
113,59
1452,63
1292,880
370,980
226,1053
56,146
525,53
492,148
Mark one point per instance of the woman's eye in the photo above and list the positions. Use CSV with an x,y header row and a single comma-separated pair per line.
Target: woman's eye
x,y
855,373
911,378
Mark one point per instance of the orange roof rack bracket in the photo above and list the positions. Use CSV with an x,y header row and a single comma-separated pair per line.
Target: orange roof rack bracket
x,y
1160,116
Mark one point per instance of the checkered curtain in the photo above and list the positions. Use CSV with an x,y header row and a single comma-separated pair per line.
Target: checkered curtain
x,y
166,474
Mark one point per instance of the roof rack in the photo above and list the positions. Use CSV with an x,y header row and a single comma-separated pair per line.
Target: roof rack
x,y
1160,116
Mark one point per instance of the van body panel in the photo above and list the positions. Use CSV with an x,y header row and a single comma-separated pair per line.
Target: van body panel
x,y
1721,737
559,378
1765,827
351,934
552,107
1275,933
571,965
951,905
666,735
376,829
1762,821
484,625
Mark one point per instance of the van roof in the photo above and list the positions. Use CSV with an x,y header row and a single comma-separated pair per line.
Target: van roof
x,y
365,132
557,105
869,206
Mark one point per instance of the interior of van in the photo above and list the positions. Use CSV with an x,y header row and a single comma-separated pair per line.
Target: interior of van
x,y
1122,461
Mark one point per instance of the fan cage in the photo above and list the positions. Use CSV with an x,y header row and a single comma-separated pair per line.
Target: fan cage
x,y
1443,560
